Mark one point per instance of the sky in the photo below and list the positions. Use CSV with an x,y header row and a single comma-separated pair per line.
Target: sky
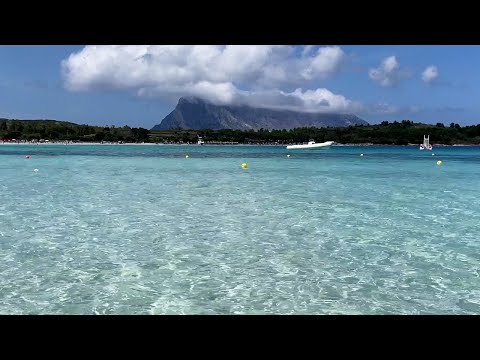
x,y
138,85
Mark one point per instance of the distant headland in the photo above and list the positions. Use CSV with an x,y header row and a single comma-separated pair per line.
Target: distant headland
x,y
403,132
196,114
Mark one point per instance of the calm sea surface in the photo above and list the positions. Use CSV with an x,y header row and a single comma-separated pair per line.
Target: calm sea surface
x,y
118,229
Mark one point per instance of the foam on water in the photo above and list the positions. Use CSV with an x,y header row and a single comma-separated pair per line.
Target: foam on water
x,y
139,230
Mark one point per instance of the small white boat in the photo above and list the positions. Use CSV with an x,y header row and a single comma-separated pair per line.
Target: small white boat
x,y
311,145
426,143
200,141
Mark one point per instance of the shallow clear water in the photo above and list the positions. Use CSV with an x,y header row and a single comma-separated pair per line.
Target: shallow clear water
x,y
142,230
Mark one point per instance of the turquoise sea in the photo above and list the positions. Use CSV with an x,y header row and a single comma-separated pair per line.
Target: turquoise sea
x,y
117,229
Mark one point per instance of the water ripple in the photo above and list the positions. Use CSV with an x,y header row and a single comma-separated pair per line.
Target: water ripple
x,y
141,230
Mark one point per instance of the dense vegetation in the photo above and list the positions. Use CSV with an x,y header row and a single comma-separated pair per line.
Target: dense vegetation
x,y
398,133
65,131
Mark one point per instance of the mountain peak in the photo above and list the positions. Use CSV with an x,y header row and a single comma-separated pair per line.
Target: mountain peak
x,y
190,100
195,113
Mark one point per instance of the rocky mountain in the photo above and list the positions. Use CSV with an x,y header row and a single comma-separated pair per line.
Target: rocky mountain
x,y
196,114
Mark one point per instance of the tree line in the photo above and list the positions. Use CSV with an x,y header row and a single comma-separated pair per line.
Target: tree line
x,y
389,133
52,130
393,133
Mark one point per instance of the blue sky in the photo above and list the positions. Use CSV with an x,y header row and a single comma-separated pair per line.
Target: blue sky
x,y
139,85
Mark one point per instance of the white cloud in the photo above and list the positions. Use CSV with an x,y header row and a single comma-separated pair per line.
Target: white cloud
x,y
319,100
307,49
262,75
323,64
430,74
388,73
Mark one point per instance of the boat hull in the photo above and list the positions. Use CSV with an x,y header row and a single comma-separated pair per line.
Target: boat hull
x,y
310,146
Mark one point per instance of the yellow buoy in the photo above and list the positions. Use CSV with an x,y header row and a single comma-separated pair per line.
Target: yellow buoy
x,y
186,156
244,166
439,162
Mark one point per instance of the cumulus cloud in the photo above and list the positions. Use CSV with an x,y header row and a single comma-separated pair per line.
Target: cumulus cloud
x,y
318,100
388,73
430,74
260,75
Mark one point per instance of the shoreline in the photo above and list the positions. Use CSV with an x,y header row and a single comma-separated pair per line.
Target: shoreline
x,y
214,144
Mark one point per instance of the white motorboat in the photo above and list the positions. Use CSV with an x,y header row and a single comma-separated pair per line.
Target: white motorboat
x,y
200,141
311,145
426,143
